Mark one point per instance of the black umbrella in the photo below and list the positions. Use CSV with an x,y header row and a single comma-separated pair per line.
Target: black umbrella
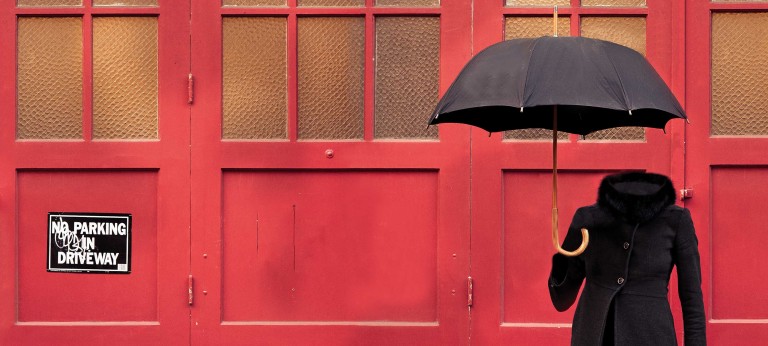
x,y
572,84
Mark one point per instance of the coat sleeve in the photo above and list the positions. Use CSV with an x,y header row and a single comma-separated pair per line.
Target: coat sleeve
x,y
686,254
567,273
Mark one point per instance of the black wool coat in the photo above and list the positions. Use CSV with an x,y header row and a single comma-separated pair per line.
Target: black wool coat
x,y
637,235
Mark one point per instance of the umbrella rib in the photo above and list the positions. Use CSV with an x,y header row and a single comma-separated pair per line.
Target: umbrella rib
x,y
621,82
527,74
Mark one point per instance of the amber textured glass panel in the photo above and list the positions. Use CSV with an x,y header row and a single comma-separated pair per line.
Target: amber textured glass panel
x,y
614,3
255,86
408,3
41,3
253,3
125,77
50,78
523,27
739,74
331,64
332,3
407,76
537,3
124,2
627,31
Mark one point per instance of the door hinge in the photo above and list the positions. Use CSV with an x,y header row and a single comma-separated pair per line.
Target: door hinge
x,y
191,290
191,89
470,292
686,193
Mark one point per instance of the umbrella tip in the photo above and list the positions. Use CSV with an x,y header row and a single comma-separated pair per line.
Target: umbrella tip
x,y
521,109
630,112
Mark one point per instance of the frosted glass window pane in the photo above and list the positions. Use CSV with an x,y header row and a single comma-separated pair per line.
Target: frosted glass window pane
x,y
538,3
521,27
407,76
331,80
614,3
739,74
50,78
408,3
41,3
125,84
255,87
253,3
124,2
332,3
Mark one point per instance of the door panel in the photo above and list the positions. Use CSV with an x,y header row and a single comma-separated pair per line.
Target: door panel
x,y
511,172
324,210
94,119
304,245
730,240
81,297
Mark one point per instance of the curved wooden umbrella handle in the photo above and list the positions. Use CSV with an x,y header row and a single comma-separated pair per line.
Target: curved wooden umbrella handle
x,y
555,235
556,239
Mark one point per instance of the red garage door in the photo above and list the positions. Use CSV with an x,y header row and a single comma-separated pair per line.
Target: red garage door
x,y
323,209
94,121
726,163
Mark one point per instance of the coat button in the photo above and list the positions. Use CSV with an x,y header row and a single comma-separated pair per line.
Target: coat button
x,y
626,245
620,281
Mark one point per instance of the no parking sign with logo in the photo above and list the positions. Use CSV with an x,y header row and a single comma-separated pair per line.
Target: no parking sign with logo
x,y
89,243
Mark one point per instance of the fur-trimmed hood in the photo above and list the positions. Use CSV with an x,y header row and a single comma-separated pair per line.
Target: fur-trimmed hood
x,y
636,196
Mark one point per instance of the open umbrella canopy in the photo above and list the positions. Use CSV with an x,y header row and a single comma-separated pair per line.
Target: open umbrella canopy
x,y
572,84
595,85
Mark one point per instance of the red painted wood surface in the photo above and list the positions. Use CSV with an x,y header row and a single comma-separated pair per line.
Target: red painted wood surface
x,y
149,179
372,245
728,175
369,246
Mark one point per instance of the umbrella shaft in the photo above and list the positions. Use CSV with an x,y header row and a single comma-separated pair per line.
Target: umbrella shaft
x,y
554,20
554,159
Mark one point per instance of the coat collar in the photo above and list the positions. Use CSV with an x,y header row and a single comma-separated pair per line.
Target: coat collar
x,y
636,196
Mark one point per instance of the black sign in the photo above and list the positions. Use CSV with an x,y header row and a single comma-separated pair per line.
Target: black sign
x,y
89,243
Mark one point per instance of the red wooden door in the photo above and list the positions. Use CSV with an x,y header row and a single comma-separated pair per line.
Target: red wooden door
x,y
511,172
93,119
323,209
726,163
